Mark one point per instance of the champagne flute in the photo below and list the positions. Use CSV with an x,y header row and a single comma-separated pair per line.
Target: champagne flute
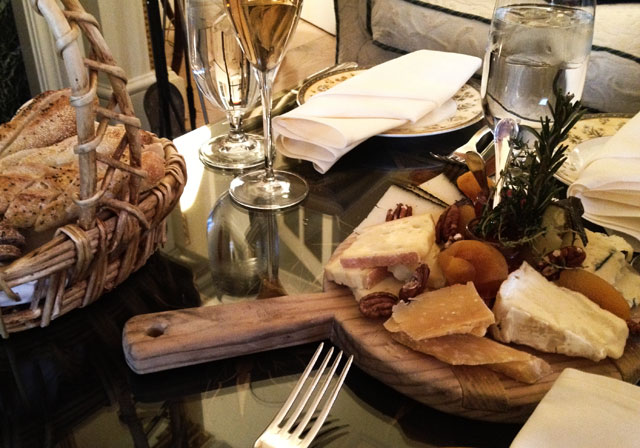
x,y
264,28
225,78
535,49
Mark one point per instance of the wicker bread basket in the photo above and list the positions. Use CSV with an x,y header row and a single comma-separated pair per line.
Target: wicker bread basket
x,y
112,237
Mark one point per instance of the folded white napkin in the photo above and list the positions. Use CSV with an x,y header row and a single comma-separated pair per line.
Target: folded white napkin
x,y
609,182
584,410
384,97
24,291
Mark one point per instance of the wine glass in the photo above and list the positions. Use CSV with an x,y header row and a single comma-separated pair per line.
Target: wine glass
x,y
535,48
225,78
264,28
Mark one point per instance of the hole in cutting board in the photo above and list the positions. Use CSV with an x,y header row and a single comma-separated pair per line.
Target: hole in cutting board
x,y
155,331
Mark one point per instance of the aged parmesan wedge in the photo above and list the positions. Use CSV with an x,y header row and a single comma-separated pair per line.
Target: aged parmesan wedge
x,y
352,277
531,310
401,241
466,349
456,309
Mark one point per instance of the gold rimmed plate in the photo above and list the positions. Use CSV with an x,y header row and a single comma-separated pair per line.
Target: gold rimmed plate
x,y
468,106
592,131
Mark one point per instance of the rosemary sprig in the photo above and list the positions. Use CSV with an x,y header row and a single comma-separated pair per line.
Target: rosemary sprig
x,y
529,187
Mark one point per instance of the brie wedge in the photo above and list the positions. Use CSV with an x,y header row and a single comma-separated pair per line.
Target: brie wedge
x,y
533,311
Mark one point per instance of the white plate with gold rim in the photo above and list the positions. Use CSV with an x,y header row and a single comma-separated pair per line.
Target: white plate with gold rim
x,y
589,133
468,106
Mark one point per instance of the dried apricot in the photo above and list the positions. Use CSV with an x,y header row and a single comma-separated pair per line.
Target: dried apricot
x,y
469,186
467,214
476,261
596,289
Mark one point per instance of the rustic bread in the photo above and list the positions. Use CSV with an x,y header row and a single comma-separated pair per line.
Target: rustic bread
x,y
38,184
44,120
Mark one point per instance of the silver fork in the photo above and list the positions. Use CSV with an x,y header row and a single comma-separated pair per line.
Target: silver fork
x,y
289,432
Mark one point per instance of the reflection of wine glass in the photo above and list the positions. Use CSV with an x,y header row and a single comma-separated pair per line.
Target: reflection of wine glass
x,y
264,28
243,250
535,46
225,78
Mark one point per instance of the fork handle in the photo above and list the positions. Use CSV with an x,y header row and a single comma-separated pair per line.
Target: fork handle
x,y
177,338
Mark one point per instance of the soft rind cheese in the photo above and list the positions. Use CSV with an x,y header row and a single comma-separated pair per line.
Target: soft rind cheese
x,y
608,257
533,311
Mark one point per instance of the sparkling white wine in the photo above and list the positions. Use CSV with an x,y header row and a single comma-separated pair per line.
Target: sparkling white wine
x,y
264,28
531,49
218,65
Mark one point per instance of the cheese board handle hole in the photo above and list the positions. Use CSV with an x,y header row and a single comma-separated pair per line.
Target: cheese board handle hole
x,y
155,331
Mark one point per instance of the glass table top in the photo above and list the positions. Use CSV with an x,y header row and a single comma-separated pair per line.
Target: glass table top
x,y
68,384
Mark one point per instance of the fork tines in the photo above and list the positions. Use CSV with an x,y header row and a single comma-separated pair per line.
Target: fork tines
x,y
290,427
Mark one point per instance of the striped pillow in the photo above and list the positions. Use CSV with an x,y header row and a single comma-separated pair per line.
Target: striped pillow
x,y
613,77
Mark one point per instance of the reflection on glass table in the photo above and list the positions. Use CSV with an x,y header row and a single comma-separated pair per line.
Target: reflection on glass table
x,y
68,384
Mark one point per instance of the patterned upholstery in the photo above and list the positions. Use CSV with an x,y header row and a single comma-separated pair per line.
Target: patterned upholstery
x,y
372,31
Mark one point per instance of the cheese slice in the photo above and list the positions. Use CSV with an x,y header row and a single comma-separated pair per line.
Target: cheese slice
x,y
390,199
531,310
608,256
456,309
401,241
388,284
466,349
442,188
352,277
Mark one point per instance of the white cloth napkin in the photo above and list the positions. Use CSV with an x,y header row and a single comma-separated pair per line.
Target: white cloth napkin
x,y
609,181
384,97
584,410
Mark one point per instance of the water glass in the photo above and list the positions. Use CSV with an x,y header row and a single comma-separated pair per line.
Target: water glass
x,y
226,79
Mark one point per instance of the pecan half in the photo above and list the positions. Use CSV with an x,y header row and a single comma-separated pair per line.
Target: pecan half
x,y
447,225
378,304
634,327
568,256
416,284
555,261
401,211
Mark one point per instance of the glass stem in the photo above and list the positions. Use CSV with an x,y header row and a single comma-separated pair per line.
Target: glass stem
x,y
236,134
265,81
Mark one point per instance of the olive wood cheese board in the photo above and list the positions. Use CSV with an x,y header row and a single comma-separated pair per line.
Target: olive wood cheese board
x,y
172,339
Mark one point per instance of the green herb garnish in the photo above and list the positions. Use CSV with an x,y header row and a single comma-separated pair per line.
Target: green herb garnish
x,y
529,187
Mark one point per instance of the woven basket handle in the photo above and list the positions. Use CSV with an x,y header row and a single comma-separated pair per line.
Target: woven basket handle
x,y
82,74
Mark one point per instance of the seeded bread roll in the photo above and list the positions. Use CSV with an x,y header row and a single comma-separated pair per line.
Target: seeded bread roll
x,y
46,119
39,174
